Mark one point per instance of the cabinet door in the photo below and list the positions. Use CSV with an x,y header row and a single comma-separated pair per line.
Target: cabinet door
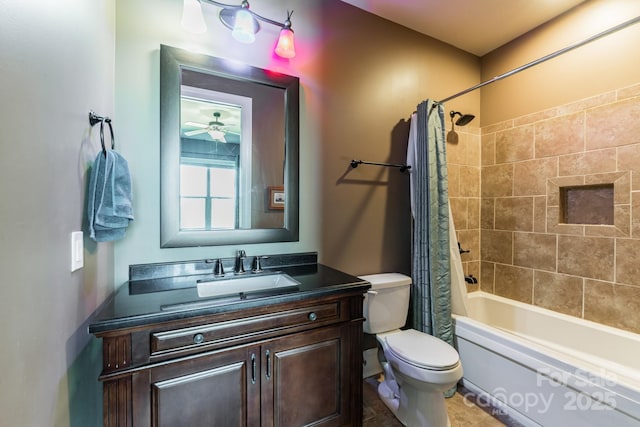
x,y
215,389
304,379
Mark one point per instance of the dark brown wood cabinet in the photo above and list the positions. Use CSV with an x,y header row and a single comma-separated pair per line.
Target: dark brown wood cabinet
x,y
288,364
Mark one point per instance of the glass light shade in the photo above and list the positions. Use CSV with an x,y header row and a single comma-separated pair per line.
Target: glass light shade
x,y
192,19
243,27
217,135
285,47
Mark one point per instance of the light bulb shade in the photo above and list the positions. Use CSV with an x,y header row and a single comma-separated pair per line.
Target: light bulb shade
x,y
243,28
217,135
285,47
192,19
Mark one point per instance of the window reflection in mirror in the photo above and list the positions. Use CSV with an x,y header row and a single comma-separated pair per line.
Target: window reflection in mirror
x,y
254,138
215,160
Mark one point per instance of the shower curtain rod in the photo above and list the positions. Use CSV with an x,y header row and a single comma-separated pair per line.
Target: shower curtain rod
x,y
543,59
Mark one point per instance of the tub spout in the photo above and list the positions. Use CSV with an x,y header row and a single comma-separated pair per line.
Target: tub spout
x,y
470,279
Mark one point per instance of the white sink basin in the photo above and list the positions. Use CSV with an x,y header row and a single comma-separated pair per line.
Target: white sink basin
x,y
245,284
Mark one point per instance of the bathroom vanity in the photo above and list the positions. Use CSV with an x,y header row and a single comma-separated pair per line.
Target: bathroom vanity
x,y
287,356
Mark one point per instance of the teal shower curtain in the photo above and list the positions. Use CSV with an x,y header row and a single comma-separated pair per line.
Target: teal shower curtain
x,y
430,209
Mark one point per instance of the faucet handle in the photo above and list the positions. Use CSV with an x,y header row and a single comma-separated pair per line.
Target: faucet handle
x,y
218,270
257,264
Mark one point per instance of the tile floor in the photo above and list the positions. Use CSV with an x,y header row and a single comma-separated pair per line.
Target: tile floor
x,y
462,411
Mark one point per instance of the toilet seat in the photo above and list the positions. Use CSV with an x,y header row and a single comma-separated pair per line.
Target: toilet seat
x,y
422,350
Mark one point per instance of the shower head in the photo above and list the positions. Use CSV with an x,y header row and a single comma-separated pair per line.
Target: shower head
x,y
464,118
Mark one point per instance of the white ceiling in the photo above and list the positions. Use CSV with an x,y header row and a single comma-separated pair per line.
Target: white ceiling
x,y
476,26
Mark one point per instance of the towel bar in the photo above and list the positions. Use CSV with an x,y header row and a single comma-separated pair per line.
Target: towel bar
x,y
403,168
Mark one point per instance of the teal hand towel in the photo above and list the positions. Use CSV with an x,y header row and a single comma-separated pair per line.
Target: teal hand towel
x,y
109,201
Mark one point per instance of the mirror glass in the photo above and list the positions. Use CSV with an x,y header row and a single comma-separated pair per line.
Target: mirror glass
x,y
229,152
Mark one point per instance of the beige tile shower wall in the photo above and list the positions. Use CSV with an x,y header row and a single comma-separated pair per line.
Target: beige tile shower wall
x,y
463,161
588,271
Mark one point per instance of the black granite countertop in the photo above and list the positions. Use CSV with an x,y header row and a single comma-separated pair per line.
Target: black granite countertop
x,y
153,300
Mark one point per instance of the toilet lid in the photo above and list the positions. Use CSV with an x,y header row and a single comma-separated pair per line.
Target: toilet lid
x,y
423,350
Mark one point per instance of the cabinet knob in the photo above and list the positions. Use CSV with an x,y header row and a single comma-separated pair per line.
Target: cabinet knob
x,y
198,338
312,316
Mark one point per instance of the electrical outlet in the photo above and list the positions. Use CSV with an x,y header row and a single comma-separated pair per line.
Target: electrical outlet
x,y
77,250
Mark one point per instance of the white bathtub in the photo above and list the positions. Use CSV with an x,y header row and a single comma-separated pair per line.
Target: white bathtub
x,y
547,369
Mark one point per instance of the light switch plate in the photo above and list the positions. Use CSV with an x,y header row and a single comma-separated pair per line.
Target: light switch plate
x,y
77,251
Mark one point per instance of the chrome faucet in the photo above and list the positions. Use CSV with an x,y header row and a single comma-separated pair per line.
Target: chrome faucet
x,y
239,267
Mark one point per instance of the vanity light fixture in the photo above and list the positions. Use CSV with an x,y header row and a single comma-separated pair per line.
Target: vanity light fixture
x,y
242,22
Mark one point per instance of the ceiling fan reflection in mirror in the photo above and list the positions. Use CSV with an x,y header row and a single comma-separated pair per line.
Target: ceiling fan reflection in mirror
x,y
215,128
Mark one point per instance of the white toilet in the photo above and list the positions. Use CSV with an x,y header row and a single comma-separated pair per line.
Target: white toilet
x,y
418,368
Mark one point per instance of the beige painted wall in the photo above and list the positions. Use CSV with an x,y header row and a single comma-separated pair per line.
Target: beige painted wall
x,y
606,64
372,75
56,63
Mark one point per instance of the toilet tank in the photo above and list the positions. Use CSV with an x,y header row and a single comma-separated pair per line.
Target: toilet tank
x,y
386,304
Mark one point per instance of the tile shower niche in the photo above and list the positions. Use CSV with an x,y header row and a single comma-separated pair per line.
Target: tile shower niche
x,y
589,204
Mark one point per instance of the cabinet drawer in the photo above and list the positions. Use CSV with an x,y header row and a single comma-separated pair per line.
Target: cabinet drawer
x,y
240,330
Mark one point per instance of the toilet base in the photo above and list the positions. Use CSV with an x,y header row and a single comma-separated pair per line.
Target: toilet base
x,y
386,395
420,408
431,412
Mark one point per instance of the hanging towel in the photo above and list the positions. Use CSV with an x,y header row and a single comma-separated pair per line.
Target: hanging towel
x,y
109,202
